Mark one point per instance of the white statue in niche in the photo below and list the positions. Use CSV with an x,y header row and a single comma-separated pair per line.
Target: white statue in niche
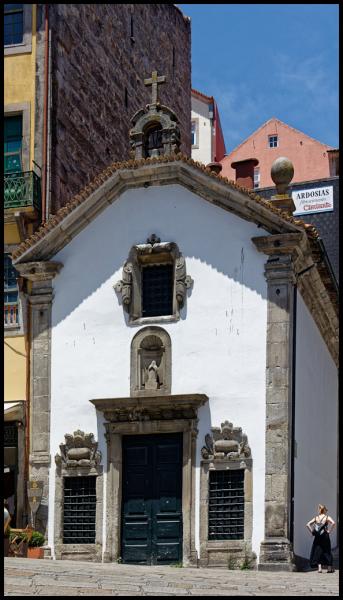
x,y
153,379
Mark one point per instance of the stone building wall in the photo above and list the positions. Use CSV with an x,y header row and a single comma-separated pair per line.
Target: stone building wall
x,y
100,55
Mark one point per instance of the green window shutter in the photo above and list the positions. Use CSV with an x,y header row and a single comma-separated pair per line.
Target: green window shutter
x,y
13,136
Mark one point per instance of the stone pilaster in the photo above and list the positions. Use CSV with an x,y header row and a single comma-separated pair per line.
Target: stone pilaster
x,y
40,274
276,549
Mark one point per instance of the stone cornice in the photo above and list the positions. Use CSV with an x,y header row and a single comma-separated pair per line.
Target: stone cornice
x,y
150,408
307,277
79,212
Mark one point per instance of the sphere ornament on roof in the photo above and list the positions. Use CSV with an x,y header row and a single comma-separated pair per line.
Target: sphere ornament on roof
x,y
282,173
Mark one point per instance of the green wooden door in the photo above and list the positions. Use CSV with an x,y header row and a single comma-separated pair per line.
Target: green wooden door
x,y
152,499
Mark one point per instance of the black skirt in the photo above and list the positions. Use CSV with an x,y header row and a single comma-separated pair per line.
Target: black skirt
x,y
321,551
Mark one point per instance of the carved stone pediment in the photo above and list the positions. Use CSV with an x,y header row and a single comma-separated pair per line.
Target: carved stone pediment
x,y
79,450
226,443
150,408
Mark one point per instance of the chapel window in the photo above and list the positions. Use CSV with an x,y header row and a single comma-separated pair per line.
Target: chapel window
x,y
79,510
226,505
154,281
157,290
13,24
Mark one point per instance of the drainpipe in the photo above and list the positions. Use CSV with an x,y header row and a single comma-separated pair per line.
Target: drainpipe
x,y
28,400
293,440
45,114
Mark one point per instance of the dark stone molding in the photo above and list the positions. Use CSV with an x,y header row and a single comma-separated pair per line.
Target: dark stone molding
x,y
145,416
150,408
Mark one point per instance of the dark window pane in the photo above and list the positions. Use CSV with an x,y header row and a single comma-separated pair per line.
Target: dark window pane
x,y
226,505
13,24
79,510
157,293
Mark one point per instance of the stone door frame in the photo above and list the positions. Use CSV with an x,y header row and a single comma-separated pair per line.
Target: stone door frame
x,y
114,434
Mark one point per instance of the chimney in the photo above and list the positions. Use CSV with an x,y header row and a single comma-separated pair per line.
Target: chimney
x,y
216,167
245,172
282,172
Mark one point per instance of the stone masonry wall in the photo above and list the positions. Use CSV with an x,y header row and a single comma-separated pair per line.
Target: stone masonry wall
x,y
100,55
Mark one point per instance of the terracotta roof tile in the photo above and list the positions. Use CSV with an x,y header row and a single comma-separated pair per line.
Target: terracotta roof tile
x,y
81,196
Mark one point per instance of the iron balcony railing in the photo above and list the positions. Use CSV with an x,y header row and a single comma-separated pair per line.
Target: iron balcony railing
x,y
22,189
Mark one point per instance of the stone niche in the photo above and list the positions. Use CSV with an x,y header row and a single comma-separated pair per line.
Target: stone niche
x,y
226,448
150,362
78,456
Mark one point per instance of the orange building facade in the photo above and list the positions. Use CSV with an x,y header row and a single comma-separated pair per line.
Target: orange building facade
x,y
273,139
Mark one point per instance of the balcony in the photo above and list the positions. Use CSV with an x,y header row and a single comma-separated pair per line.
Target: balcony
x,y
11,315
22,190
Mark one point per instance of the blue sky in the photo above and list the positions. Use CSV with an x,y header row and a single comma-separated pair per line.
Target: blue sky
x,y
268,60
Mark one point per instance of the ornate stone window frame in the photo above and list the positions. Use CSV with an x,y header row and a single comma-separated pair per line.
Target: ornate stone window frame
x,y
130,286
69,467
25,47
215,457
164,367
149,415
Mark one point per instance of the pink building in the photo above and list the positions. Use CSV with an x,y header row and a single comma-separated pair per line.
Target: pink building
x,y
273,139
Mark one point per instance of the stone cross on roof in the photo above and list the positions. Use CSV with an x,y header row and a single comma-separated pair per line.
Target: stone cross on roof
x,y
154,81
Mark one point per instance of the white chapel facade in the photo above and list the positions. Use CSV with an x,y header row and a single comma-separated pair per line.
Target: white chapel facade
x,y
183,339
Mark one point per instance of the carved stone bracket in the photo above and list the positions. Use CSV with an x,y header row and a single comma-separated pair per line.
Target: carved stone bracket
x,y
124,286
226,443
79,450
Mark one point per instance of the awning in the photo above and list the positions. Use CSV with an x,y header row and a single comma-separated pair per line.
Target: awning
x,y
14,411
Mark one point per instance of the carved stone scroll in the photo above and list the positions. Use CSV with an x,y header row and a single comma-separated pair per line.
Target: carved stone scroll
x,y
124,286
79,450
226,442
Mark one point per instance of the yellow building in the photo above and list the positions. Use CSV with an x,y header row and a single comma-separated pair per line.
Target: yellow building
x,y
22,205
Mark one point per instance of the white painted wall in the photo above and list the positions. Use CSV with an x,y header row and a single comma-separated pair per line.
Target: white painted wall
x,y
218,345
316,413
200,113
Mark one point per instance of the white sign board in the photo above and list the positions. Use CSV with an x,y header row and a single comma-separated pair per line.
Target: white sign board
x,y
313,200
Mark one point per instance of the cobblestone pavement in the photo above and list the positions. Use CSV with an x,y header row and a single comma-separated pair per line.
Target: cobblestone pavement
x,y
31,577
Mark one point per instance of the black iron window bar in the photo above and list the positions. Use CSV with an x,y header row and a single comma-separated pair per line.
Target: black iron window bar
x,y
79,510
226,505
157,290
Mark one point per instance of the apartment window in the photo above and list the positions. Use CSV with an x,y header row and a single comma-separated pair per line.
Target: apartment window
x,y
11,294
256,177
195,133
226,505
273,141
13,24
79,510
13,137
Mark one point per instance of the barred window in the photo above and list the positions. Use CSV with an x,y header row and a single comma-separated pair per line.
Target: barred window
x,y
79,510
13,24
157,292
226,505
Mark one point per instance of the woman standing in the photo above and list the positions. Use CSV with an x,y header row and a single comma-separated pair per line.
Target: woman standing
x,y
321,547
